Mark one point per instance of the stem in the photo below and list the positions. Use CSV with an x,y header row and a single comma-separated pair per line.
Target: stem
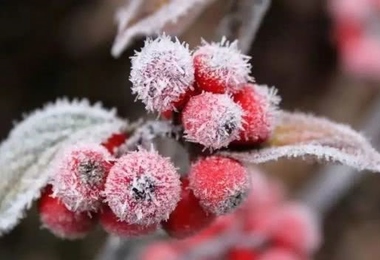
x,y
333,182
243,21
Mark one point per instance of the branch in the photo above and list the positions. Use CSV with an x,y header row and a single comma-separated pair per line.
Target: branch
x,y
243,21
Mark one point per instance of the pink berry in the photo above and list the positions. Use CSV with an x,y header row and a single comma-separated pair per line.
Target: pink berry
x,y
162,72
295,226
62,222
279,254
220,183
113,225
188,217
213,120
160,251
221,67
142,188
259,104
79,174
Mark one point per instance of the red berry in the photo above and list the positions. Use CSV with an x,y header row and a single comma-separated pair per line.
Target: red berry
x,y
114,141
220,183
62,222
259,104
241,254
188,217
161,73
113,225
79,174
221,67
295,226
213,120
142,188
279,254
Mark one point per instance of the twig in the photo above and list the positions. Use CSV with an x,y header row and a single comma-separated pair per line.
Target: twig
x,y
146,132
333,182
243,21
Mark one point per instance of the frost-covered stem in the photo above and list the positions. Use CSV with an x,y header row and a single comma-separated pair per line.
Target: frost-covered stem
x,y
243,21
147,131
333,182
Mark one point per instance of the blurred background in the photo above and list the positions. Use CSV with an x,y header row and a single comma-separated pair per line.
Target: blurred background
x,y
50,49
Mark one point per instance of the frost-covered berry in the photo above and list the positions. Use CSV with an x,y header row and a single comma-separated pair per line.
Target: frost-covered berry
x,y
188,217
111,224
78,176
62,222
295,226
220,183
259,104
221,67
142,188
279,254
213,120
161,73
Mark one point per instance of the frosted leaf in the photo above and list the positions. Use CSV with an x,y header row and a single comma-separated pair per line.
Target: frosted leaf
x,y
173,16
302,135
32,144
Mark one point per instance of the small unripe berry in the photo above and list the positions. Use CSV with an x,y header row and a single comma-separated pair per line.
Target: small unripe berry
x,y
142,188
188,217
113,225
161,73
213,120
259,104
78,176
220,183
279,254
221,67
62,222
114,141
296,227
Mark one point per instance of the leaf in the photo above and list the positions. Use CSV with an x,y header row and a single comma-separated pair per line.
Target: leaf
x,y
32,144
172,16
302,135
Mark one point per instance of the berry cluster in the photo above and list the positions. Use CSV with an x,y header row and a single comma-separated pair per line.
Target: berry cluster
x,y
209,91
135,192
265,227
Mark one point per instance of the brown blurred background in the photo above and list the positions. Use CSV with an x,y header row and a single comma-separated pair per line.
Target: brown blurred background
x,y
50,49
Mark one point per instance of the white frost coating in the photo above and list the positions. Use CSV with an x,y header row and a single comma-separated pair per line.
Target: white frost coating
x,y
224,62
175,11
31,145
161,73
301,135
